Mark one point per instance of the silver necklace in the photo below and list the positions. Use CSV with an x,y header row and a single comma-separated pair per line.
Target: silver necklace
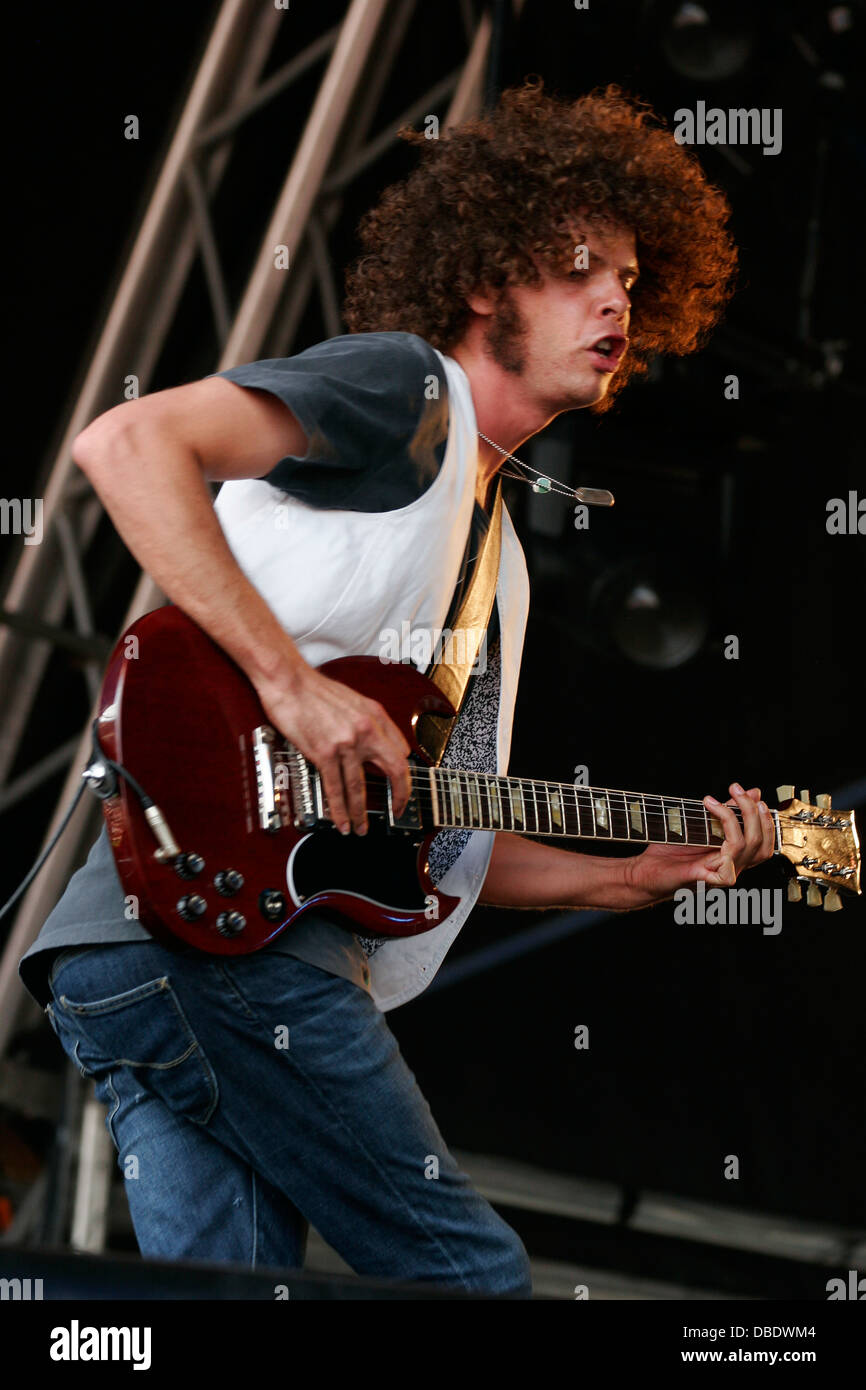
x,y
590,496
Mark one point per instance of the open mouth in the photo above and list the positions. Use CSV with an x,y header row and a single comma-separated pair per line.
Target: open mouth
x,y
609,350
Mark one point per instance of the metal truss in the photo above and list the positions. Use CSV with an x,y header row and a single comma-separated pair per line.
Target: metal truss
x,y
48,580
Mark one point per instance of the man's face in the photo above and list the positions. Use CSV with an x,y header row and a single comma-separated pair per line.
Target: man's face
x,y
546,335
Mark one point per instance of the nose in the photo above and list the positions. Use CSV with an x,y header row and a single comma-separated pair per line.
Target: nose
x,y
614,300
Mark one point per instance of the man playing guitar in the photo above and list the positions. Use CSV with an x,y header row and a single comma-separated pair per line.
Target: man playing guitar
x,y
499,287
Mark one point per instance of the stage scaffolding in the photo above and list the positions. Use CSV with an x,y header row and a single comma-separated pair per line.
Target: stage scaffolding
x,y
47,586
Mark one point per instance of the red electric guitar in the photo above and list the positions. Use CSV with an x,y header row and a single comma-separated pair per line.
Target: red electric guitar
x,y
220,830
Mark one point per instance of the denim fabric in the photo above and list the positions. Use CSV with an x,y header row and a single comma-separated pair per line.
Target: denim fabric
x,y
247,1097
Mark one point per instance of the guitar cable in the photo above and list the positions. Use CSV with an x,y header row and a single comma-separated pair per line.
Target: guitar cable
x,y
25,883
102,785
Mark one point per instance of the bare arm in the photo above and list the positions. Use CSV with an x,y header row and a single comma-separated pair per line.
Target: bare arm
x,y
526,873
150,461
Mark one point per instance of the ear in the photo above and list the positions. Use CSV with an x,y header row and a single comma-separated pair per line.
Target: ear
x,y
481,301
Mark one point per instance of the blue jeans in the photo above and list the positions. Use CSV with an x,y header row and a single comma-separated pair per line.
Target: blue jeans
x,y
249,1096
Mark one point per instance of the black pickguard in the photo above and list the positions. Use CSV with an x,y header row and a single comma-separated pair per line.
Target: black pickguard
x,y
381,865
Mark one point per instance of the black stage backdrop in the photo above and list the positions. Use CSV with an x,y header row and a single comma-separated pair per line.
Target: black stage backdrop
x,y
705,1041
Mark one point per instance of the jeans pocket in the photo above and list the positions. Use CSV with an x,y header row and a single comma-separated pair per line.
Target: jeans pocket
x,y
146,1030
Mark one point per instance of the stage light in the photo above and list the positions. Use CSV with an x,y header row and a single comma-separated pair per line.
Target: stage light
x,y
648,616
707,43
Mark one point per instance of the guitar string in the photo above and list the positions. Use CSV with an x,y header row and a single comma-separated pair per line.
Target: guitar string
x,y
691,809
419,776
692,818
421,773
465,822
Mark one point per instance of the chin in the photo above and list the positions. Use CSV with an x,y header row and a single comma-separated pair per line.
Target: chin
x,y
591,394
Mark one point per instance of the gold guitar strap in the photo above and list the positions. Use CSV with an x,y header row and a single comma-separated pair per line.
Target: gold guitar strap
x,y
459,654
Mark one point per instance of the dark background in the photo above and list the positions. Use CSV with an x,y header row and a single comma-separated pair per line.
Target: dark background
x,y
705,1041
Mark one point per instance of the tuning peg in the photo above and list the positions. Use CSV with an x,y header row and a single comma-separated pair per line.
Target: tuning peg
x,y
785,792
795,892
813,895
824,801
832,901
804,797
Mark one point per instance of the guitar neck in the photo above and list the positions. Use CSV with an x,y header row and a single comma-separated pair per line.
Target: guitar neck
x,y
448,797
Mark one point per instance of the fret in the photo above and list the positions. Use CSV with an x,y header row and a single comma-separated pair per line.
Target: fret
x,y
486,811
636,821
716,829
517,811
465,797
455,795
496,820
617,818
474,800
676,825
541,791
434,796
585,812
696,833
601,812
656,823
530,796
555,811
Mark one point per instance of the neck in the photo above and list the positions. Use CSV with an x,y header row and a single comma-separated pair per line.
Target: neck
x,y
503,410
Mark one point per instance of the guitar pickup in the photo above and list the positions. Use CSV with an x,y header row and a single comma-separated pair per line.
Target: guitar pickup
x,y
411,817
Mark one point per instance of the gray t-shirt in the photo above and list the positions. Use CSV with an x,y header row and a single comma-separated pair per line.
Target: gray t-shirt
x,y
362,402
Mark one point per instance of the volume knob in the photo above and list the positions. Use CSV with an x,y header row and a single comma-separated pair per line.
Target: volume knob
x,y
188,865
191,907
230,923
228,882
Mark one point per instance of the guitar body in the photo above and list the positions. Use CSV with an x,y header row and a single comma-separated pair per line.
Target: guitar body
x,y
178,715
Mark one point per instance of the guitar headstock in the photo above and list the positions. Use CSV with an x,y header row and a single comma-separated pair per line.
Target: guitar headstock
x,y
821,844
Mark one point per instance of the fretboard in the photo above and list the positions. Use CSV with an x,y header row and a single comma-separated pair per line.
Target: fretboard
x,y
475,800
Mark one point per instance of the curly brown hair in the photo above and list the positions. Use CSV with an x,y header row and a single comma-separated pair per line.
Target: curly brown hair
x,y
496,197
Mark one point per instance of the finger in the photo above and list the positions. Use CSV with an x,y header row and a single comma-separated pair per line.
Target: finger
x,y
390,752
396,769
753,792
729,823
353,781
332,783
719,870
768,827
752,833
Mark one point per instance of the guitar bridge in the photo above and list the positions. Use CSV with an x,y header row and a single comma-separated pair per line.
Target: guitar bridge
x,y
305,787
288,791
